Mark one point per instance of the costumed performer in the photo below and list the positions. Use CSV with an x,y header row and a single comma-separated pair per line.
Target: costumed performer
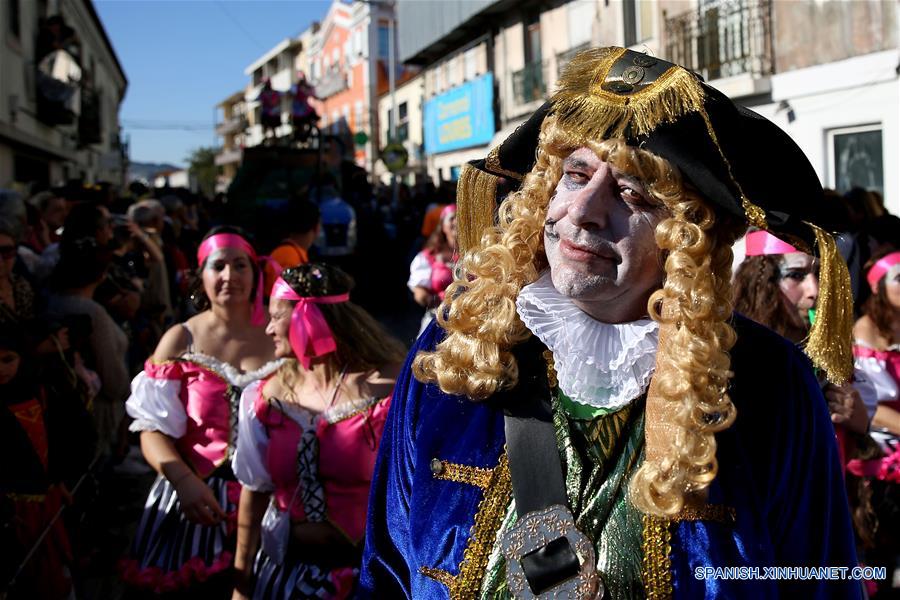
x,y
308,440
588,417
185,404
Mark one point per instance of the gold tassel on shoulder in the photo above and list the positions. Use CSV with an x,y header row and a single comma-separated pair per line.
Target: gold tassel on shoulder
x,y
476,199
829,344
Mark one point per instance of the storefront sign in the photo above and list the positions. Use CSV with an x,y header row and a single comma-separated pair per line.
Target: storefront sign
x,y
461,117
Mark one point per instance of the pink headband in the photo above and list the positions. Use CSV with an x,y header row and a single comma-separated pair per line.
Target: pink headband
x,y
880,269
224,240
233,240
448,210
762,243
309,335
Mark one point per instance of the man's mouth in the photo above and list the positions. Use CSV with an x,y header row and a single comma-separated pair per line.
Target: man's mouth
x,y
582,252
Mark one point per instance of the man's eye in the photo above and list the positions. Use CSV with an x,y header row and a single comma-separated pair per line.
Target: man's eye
x,y
629,194
576,177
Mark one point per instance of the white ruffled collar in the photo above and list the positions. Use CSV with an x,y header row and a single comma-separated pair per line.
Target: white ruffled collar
x,y
599,364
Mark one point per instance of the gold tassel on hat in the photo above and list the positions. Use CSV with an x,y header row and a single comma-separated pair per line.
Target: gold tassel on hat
x,y
829,344
592,112
476,198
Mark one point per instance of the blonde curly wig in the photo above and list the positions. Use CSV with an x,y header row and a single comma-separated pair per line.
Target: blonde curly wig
x,y
688,392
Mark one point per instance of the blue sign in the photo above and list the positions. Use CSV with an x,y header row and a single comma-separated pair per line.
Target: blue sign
x,y
461,117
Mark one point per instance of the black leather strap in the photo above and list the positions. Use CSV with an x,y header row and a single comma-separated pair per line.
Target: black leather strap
x,y
534,464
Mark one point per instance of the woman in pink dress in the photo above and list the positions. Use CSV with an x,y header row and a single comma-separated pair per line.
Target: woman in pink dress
x,y
431,271
876,349
308,439
184,404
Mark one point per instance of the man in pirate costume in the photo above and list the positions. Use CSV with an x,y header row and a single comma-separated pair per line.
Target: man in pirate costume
x,y
588,418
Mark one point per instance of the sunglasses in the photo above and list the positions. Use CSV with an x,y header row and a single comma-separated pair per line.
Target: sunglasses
x,y
7,252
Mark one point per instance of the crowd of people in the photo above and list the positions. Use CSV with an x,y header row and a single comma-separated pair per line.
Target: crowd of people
x,y
252,375
110,320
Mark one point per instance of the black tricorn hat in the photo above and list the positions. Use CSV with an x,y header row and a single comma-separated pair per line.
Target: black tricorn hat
x,y
741,162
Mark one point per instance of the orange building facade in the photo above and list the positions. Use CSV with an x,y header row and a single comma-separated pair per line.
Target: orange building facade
x,y
344,62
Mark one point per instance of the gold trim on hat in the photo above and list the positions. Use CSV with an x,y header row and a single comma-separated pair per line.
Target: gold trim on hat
x,y
830,341
492,163
476,200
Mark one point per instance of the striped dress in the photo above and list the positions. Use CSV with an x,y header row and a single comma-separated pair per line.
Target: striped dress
x,y
193,400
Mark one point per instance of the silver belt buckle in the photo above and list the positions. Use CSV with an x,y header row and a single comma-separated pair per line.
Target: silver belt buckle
x,y
534,531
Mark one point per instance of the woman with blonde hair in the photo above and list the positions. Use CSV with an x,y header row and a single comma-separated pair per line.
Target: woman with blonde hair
x,y
309,435
588,417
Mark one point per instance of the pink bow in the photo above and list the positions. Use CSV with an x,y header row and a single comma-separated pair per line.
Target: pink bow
x,y
233,240
310,335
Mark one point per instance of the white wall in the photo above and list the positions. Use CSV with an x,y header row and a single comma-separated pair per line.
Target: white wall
x,y
859,91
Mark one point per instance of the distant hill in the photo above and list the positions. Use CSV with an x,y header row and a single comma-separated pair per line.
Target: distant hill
x,y
144,171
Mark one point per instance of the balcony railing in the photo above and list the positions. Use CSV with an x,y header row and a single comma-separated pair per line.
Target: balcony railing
x,y
231,125
723,39
228,156
528,84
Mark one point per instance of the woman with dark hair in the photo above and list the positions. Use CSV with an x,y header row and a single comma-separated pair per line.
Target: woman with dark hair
x,y
877,352
184,404
308,440
778,286
877,338
431,270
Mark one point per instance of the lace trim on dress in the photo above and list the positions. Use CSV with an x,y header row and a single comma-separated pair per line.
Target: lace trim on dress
x,y
604,365
229,373
346,410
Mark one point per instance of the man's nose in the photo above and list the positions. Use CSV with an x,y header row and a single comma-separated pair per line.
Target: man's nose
x,y
590,206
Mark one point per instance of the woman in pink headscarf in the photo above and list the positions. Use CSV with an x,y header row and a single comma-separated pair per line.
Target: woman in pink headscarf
x,y
778,286
877,334
308,439
431,270
184,404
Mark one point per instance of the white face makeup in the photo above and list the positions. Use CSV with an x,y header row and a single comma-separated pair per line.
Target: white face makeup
x,y
279,326
228,276
599,239
799,280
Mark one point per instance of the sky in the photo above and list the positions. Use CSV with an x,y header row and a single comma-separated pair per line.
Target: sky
x,y
183,57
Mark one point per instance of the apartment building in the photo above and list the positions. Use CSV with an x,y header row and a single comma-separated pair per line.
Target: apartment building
x,y
826,71
232,126
349,69
278,67
345,58
60,93
408,103
487,66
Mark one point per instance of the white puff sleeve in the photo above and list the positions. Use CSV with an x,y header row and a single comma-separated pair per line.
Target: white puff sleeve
x,y
875,372
249,460
419,272
155,405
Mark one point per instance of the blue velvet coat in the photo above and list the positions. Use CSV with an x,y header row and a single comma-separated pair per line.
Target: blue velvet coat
x,y
778,470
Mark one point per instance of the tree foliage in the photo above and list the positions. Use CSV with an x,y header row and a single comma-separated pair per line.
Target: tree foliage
x,y
202,165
